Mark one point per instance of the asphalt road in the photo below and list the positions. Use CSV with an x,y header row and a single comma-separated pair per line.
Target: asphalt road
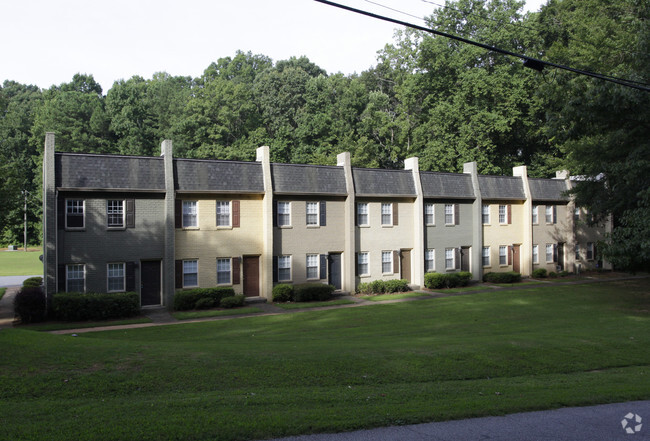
x,y
594,423
7,281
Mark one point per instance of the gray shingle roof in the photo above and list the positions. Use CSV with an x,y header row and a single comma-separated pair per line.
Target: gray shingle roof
x,y
446,185
308,179
375,182
501,187
548,189
199,175
109,172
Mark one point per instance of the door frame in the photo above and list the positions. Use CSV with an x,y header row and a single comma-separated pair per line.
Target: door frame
x,y
160,303
259,275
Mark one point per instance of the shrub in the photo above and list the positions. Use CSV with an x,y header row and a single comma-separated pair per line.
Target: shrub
x,y
33,281
450,280
508,277
539,273
76,306
282,292
205,303
377,286
186,299
364,288
435,280
564,273
552,274
309,292
29,304
465,277
233,301
396,285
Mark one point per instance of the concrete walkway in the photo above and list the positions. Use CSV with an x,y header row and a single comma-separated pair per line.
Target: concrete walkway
x,y
8,281
607,422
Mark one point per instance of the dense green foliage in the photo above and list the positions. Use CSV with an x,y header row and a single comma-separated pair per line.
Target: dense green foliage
x,y
507,277
332,371
540,273
33,281
30,305
310,292
233,301
282,292
383,286
447,280
444,101
190,298
76,306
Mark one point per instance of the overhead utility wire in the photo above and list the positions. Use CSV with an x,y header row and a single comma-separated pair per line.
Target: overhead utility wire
x,y
532,63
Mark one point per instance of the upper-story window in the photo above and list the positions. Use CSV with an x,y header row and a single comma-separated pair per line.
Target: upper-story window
x,y
284,214
485,212
74,213
362,214
535,219
223,214
387,214
576,214
429,214
550,214
312,213
115,213
190,214
450,214
503,214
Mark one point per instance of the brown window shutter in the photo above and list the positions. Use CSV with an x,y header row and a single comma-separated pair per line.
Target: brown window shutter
x,y
235,214
275,268
509,250
456,214
395,262
178,213
236,269
509,214
130,276
356,215
323,214
323,266
178,271
275,213
130,213
60,213
356,264
395,213
61,277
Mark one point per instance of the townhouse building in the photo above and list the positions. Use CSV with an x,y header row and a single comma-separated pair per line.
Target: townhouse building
x,y
155,225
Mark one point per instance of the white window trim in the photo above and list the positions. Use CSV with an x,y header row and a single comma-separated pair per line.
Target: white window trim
x,y
217,214
229,259
83,214
433,214
390,262
453,259
483,213
83,267
197,273
505,215
366,214
116,227
547,214
547,254
381,214
535,215
290,268
453,214
489,257
503,248
432,260
281,225
189,227
123,277
590,245
367,254
317,224
317,257
535,251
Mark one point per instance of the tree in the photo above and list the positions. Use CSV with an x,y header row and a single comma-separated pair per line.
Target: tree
x,y
601,127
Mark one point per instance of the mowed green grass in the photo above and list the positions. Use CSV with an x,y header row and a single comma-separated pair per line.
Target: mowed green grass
x,y
21,263
335,370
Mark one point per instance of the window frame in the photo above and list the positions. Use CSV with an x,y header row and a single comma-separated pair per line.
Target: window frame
x,y
363,213
549,246
82,214
430,217
110,278
503,214
281,214
229,272
67,276
315,223
221,216
548,214
485,213
313,268
185,273
590,251
194,215
363,259
535,251
110,214
447,259
503,255
452,214
535,215
281,267
389,206
485,254
386,263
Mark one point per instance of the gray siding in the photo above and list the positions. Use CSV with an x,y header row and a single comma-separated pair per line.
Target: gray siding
x,y
443,236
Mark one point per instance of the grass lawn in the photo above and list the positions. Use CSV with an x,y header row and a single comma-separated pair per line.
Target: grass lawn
x,y
301,305
334,370
188,315
56,326
401,295
20,263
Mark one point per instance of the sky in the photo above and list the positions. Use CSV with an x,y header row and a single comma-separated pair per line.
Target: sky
x,y
46,42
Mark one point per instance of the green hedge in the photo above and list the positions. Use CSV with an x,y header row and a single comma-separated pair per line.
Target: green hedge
x,y
233,301
309,292
540,273
187,299
29,304
282,292
447,280
33,281
77,306
383,286
508,277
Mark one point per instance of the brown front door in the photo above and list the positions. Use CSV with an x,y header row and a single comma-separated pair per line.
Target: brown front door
x,y
405,261
251,276
150,283
515,258
464,259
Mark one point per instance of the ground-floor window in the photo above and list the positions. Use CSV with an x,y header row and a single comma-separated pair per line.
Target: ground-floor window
x,y
190,273
223,271
535,253
115,277
486,256
503,255
450,258
312,266
363,264
430,260
76,278
284,268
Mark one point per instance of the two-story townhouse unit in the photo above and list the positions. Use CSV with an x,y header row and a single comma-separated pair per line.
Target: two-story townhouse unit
x,y
308,221
218,224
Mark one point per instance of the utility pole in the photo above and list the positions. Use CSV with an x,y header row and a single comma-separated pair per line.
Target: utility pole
x,y
25,218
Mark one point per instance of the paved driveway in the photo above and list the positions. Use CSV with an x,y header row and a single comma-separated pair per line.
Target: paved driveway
x,y
594,423
7,281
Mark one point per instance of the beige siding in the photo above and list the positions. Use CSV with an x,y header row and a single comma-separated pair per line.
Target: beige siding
x,y
496,234
556,233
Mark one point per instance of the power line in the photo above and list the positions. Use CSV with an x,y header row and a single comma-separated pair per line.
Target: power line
x,y
530,62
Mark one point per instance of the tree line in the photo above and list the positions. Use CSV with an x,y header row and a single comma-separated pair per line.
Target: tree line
x,y
441,100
